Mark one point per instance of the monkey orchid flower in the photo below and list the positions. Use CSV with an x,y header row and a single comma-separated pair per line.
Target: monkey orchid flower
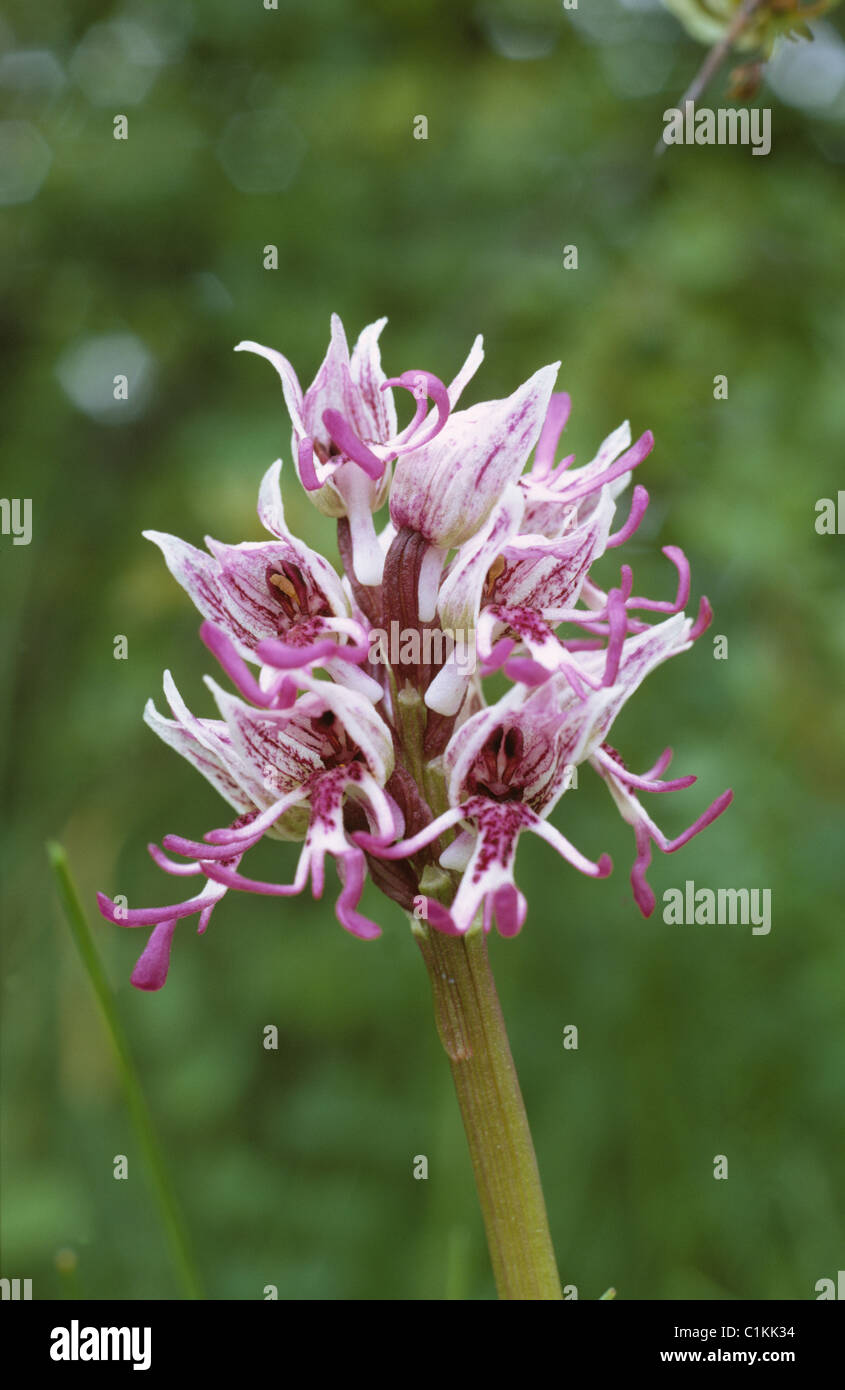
x,y
509,765
521,577
345,431
510,589
506,771
446,489
279,592
289,774
557,494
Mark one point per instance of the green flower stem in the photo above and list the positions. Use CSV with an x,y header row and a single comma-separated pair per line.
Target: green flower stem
x,y
472,1030
168,1206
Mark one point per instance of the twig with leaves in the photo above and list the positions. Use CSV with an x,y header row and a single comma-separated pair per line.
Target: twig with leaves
x,y
779,17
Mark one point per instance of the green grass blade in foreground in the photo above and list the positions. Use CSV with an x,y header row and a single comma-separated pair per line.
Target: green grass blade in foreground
x,y
141,1119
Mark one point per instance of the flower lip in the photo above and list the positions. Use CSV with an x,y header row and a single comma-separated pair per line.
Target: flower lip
x,y
423,386
560,406
350,446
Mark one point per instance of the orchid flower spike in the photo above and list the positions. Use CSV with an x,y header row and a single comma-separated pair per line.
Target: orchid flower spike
x,y
360,723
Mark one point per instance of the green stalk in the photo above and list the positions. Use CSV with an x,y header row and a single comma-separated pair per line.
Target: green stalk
x,y
472,1030
471,1027
165,1197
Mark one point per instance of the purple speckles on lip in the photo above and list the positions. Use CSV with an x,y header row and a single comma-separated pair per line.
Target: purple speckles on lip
x,y
498,829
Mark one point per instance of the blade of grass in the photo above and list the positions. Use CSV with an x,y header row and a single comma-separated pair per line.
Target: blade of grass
x,y
168,1206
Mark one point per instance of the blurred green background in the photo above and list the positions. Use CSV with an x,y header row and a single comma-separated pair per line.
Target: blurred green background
x,y
248,128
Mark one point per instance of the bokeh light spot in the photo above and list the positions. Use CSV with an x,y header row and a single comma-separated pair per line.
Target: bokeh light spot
x,y
116,64
87,371
25,158
261,151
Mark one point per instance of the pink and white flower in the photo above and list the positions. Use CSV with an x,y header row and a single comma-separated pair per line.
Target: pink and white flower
x,y
272,595
288,773
509,765
345,431
446,489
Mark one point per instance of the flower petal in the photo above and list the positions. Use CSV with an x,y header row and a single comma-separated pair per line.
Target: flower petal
x,y
461,592
447,489
467,371
206,744
350,867
374,416
151,971
291,388
331,388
